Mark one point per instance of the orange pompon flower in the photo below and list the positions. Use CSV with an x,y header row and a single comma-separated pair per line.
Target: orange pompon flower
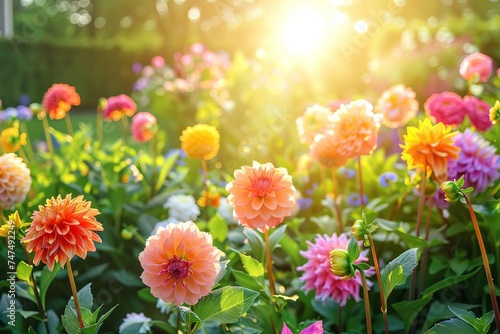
x,y
429,147
356,126
262,195
15,180
12,140
201,141
117,106
328,150
314,121
398,105
61,229
58,99
180,264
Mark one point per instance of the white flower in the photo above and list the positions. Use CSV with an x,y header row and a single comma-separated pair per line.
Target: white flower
x,y
225,210
163,223
182,207
139,321
164,307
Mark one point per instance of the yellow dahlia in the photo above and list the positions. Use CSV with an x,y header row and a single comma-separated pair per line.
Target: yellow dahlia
x,y
201,141
429,147
13,217
12,140
15,180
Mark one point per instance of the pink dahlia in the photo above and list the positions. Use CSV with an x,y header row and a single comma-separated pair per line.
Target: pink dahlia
x,y
58,99
313,122
476,65
479,112
445,107
117,106
316,328
398,104
180,264
328,150
143,126
318,276
262,195
15,180
357,127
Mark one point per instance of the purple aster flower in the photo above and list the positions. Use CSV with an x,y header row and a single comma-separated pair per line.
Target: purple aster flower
x,y
348,173
304,203
353,199
8,114
136,67
24,113
387,178
141,83
24,100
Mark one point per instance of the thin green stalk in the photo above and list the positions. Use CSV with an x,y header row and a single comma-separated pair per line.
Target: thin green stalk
x,y
75,294
337,212
269,263
360,178
29,148
99,126
486,264
47,136
69,126
383,307
139,237
367,303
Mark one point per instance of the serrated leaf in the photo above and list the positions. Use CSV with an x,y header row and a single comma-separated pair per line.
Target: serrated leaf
x,y
84,297
253,267
70,321
24,271
224,305
455,326
447,282
396,272
218,228
45,279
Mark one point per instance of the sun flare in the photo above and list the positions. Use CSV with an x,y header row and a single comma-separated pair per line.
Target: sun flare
x,y
304,30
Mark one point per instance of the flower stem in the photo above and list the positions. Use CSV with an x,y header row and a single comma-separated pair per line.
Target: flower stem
x,y
69,126
47,136
367,304
417,231
269,264
139,237
75,294
383,307
485,261
204,167
152,147
337,212
29,148
23,156
426,250
99,127
360,178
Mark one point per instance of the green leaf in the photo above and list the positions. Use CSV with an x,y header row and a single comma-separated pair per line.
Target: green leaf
x,y
411,240
224,305
145,294
481,325
84,297
396,272
218,228
222,271
256,243
45,279
165,169
292,249
253,267
353,249
276,237
31,330
447,282
70,321
24,271
248,281
387,225
409,310
164,325
455,326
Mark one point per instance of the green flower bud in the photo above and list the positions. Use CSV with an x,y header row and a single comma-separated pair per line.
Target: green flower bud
x,y
340,263
359,229
127,234
451,191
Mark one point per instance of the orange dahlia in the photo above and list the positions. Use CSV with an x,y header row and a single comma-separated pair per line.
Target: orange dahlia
x,y
117,106
357,127
61,229
58,99
328,151
180,264
398,105
15,180
12,140
201,141
429,147
314,121
262,195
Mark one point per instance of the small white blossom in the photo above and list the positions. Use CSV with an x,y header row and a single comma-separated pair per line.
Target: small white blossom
x,y
182,207
225,210
134,319
164,307
163,223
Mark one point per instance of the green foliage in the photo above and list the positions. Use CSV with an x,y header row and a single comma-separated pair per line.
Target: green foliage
x,y
398,270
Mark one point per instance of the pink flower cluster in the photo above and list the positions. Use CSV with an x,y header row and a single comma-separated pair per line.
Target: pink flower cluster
x,y
450,109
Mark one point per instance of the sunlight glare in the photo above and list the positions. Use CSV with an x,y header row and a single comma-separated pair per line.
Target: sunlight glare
x,y
304,31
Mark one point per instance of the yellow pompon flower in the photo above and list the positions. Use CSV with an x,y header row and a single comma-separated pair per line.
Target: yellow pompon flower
x,y
495,113
429,147
12,140
201,141
212,198
17,224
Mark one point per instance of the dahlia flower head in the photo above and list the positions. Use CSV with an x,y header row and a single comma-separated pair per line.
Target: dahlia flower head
x,y
180,264
182,207
12,140
476,66
315,121
329,150
143,126
478,112
201,141
61,229
398,105
357,127
136,320
15,180
118,106
429,147
445,107
316,328
58,99
319,277
262,195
